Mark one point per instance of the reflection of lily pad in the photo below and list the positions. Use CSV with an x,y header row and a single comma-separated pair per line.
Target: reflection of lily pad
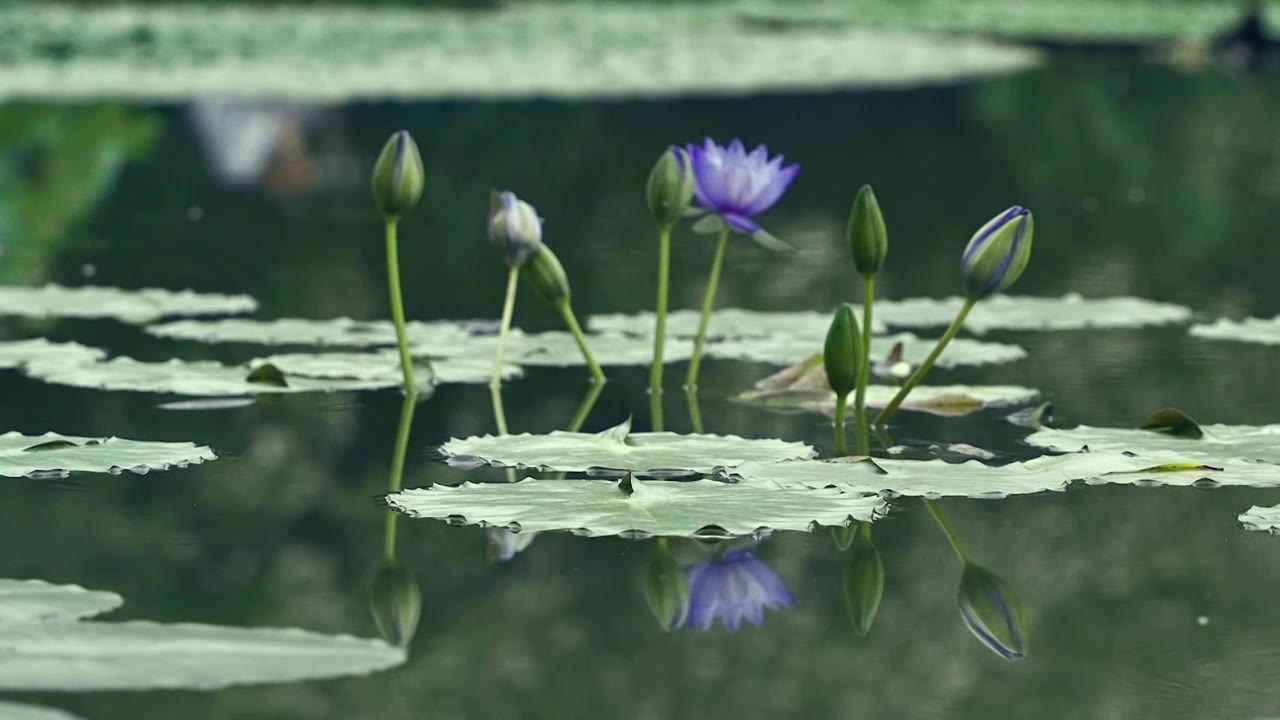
x,y
620,449
17,353
725,323
21,455
204,378
944,400
1265,519
1250,330
658,508
134,306
1010,312
382,367
36,600
15,711
338,332
787,348
84,656
1219,443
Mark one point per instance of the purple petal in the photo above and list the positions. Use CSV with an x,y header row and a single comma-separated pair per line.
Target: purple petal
x,y
740,223
707,187
776,593
706,583
985,233
770,194
736,150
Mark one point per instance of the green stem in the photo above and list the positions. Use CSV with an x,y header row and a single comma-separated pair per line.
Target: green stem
x,y
655,411
584,409
499,414
864,373
597,375
708,303
695,409
947,530
397,304
923,370
397,471
842,406
508,307
660,330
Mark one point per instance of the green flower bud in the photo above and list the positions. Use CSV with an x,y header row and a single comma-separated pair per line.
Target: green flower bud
x,y
545,273
991,611
842,355
998,253
397,176
670,187
396,603
863,584
867,235
666,588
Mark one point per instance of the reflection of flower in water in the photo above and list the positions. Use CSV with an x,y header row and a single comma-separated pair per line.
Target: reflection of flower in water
x,y
734,586
504,544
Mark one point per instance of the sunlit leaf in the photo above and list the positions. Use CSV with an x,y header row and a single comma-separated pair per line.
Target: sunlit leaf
x,y
786,348
337,332
1249,330
382,367
200,378
1219,443
133,306
1015,312
943,400
39,601
77,454
725,323
17,353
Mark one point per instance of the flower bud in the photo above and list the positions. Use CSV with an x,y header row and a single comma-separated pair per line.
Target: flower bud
x,y
514,227
397,176
991,611
666,588
998,253
842,355
867,235
863,584
396,603
545,273
670,187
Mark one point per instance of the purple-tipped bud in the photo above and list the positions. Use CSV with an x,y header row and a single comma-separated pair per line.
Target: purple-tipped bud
x,y
998,253
514,227
991,611
397,175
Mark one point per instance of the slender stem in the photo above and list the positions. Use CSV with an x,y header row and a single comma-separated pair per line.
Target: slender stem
x,y
584,409
655,411
499,414
508,307
597,375
660,329
695,409
864,373
397,471
842,406
708,303
947,530
397,304
882,435
921,371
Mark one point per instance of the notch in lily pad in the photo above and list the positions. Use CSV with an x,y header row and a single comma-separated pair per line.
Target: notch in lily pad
x,y
1172,422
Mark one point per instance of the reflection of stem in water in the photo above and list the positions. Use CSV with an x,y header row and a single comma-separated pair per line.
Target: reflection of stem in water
x,y
508,306
584,408
708,304
655,411
923,370
397,305
397,471
947,530
695,410
864,374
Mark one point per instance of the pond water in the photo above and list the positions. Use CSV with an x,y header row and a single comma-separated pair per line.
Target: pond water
x,y
1146,179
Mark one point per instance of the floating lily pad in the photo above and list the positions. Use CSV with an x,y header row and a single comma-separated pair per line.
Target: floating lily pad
x,y
1012,312
202,378
91,656
1264,519
943,400
16,711
132,306
567,50
21,455
17,353
337,332
1219,443
382,367
1250,330
725,324
36,600
786,348
658,508
559,349
620,449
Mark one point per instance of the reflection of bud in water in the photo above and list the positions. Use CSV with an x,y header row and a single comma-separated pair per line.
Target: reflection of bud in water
x,y
396,603
992,612
733,587
504,544
666,587
397,176
863,582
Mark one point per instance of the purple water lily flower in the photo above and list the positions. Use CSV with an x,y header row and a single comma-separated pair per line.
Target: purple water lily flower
x,y
733,587
736,185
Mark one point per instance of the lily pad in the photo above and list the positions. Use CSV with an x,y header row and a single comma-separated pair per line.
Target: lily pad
x,y
36,600
381,367
337,332
16,711
1219,443
92,656
599,507
17,353
132,306
200,378
725,324
942,400
620,449
1013,312
1249,330
786,348
559,349
21,455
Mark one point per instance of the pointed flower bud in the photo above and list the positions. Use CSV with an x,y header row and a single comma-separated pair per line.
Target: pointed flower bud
x,y
514,227
842,355
666,588
991,611
868,237
545,273
863,584
397,176
670,187
396,603
998,253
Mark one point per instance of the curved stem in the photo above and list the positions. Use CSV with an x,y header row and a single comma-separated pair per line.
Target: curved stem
x,y
397,471
695,409
508,307
660,329
842,406
499,414
597,375
864,373
947,530
588,402
397,304
921,371
708,303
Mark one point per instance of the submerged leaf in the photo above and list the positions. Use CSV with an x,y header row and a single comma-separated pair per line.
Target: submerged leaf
x,y
132,306
1174,423
77,454
39,601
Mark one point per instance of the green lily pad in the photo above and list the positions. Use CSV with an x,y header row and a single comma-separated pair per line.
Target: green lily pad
x,y
201,378
1013,312
599,507
942,400
132,306
725,324
567,50
1263,519
94,656
37,600
1249,330
559,349
1219,443
785,349
21,455
17,711
381,367
16,353
337,332
620,449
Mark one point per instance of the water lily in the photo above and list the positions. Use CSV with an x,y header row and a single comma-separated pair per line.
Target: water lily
x,y
504,544
733,587
514,227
